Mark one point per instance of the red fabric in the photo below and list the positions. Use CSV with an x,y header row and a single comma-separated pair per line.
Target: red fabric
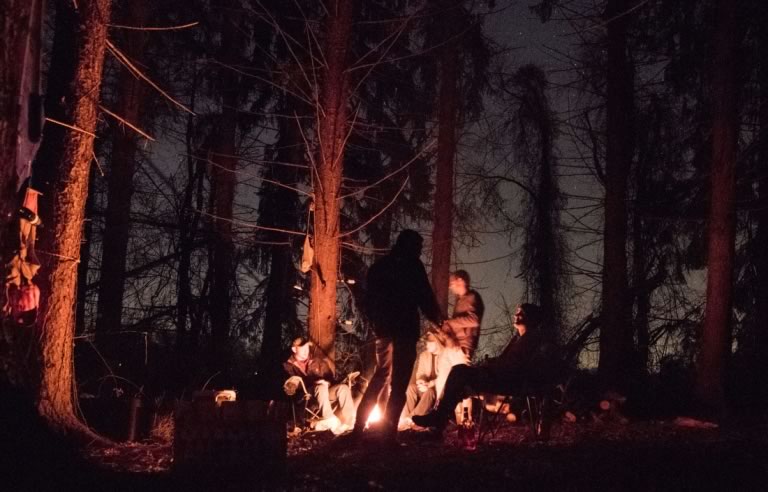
x,y
23,301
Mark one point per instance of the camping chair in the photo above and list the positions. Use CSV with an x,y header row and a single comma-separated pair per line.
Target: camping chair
x,y
539,410
549,389
309,413
542,393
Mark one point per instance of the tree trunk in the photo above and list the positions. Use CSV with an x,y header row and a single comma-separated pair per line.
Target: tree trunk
x,y
223,189
189,218
223,182
642,300
332,115
125,142
759,253
85,261
547,255
616,343
280,211
70,155
442,227
715,336
277,299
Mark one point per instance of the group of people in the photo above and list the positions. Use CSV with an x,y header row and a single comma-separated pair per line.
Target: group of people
x,y
421,391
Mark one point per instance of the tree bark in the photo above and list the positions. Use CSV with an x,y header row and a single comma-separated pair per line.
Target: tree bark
x,y
117,226
85,261
616,341
332,133
223,182
759,327
715,336
189,219
442,227
280,211
546,237
642,299
70,155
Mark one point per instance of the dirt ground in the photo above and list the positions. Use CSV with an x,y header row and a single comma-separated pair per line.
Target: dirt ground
x,y
654,455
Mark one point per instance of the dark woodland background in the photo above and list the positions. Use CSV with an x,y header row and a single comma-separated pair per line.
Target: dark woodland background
x,y
193,149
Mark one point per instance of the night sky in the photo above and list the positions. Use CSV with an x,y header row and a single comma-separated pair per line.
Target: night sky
x,y
515,27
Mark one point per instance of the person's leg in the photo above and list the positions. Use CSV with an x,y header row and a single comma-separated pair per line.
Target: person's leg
x,y
426,402
322,395
459,379
342,395
382,376
411,401
403,358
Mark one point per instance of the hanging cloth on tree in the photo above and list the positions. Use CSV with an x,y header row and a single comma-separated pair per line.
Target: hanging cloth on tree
x,y
29,129
22,296
308,253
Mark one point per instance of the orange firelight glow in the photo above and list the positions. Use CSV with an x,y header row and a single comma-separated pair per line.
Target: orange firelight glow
x,y
374,417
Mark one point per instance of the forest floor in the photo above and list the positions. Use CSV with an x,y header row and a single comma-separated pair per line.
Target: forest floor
x,y
642,455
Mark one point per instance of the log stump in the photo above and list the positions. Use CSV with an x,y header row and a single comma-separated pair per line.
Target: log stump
x,y
230,441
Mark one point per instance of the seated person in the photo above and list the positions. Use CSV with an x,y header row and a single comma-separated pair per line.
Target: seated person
x,y
518,364
429,376
310,366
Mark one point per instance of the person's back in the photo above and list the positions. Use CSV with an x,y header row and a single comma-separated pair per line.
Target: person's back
x,y
397,287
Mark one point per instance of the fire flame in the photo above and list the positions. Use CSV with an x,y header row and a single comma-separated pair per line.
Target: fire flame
x,y
374,417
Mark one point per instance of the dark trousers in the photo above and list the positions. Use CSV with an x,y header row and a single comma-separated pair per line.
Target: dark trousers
x,y
394,363
418,403
463,381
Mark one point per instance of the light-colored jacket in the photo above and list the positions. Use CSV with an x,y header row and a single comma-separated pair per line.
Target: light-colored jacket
x,y
434,369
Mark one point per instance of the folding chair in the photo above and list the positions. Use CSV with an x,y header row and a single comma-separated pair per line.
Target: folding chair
x,y
541,399
309,412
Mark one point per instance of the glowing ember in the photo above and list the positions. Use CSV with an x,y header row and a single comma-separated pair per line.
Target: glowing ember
x,y
374,417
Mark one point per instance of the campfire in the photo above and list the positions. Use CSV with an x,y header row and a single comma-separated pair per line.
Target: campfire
x,y
374,417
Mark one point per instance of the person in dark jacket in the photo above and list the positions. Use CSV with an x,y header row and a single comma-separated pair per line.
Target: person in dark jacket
x,y
309,365
522,361
464,324
397,289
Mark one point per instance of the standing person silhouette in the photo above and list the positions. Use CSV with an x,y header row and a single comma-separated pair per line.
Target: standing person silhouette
x,y
397,289
464,324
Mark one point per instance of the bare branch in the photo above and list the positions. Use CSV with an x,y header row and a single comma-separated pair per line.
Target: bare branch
x,y
133,69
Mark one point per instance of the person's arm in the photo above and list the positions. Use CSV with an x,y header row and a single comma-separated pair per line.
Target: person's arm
x,y
519,352
423,367
504,357
443,369
426,296
468,318
290,369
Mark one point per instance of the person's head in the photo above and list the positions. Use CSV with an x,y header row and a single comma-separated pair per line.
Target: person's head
x,y
527,316
458,282
434,342
301,348
409,243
